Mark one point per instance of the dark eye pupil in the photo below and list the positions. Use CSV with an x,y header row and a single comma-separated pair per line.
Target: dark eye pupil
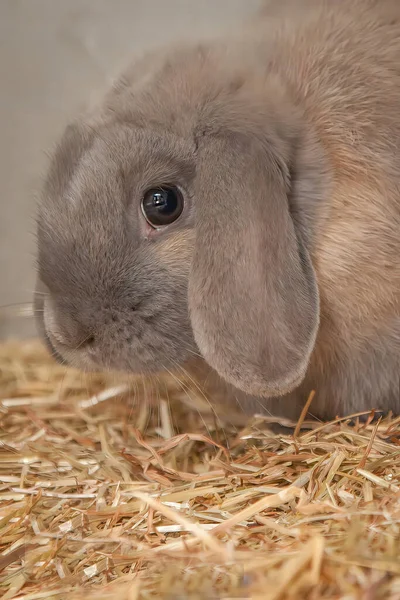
x,y
162,206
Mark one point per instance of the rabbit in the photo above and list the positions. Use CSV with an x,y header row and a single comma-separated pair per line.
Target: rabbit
x,y
232,207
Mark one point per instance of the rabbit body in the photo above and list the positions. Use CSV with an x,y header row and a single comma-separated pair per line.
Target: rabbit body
x,y
282,274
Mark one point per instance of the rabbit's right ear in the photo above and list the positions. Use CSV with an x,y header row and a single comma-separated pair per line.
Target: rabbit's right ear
x,y
253,297
76,140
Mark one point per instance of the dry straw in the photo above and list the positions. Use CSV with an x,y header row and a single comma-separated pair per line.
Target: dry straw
x,y
129,489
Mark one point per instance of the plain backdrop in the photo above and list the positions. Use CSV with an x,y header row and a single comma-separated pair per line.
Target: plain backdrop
x,y
54,56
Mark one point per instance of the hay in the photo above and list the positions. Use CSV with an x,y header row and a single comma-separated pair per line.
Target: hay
x,y
118,488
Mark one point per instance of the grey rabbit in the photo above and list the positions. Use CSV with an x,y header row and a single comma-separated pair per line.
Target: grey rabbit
x,y
233,206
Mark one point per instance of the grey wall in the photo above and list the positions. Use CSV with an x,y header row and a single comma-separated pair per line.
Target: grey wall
x,y
54,55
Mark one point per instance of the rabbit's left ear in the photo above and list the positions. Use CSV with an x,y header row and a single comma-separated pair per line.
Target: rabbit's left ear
x,y
253,297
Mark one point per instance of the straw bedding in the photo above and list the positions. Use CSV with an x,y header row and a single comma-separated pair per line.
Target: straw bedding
x,y
119,488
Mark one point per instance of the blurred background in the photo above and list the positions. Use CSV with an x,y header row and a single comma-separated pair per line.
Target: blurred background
x,y
55,56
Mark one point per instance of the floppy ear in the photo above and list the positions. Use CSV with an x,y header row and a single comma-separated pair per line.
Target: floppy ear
x,y
253,297
76,139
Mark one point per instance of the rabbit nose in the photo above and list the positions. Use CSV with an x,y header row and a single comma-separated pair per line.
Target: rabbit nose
x,y
89,341
64,330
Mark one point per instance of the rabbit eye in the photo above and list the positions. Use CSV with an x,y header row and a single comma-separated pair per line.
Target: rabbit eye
x,y
162,206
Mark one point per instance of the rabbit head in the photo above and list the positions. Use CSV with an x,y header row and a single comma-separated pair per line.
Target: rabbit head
x,y
170,225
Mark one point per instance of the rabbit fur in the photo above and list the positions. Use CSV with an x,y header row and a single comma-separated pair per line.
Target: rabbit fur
x,y
282,274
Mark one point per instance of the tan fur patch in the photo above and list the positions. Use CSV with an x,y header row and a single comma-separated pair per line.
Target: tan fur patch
x,y
175,251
